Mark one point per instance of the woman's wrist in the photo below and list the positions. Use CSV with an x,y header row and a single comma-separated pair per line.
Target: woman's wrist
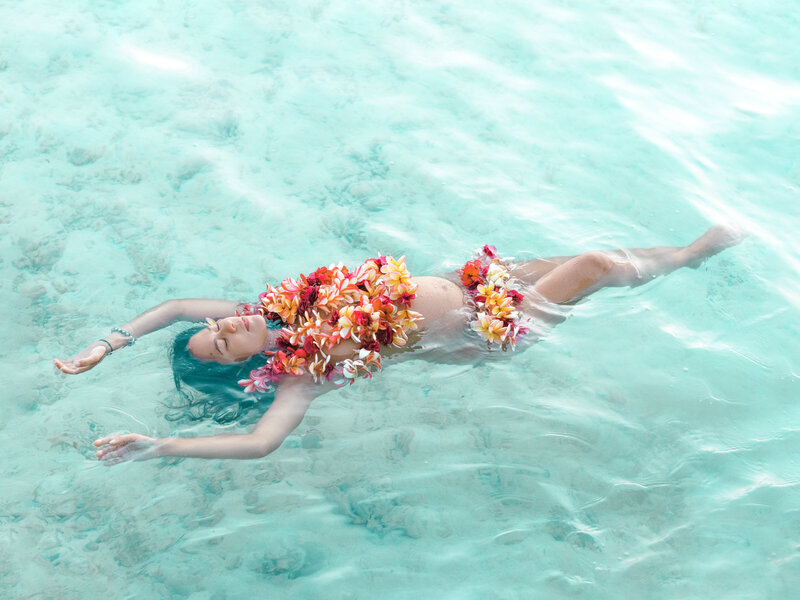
x,y
160,447
117,340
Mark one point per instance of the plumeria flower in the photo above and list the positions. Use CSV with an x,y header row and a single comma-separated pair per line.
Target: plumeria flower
x,y
345,322
317,368
370,357
290,285
370,305
497,274
395,271
501,306
349,371
294,366
492,329
486,290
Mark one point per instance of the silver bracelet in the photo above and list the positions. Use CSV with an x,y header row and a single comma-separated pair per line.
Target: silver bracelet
x,y
127,334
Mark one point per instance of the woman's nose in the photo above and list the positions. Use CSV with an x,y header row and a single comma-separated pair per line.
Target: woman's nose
x,y
230,326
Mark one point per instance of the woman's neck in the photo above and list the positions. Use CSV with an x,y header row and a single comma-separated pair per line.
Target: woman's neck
x,y
271,339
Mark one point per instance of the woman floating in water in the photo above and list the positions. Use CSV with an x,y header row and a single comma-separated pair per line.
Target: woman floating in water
x,y
335,325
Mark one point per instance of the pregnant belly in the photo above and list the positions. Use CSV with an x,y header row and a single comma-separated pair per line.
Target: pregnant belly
x,y
436,300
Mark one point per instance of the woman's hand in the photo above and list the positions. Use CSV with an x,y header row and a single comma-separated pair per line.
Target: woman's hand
x,y
84,360
115,449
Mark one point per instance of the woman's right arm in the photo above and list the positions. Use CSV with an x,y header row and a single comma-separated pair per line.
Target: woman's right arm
x,y
292,399
166,313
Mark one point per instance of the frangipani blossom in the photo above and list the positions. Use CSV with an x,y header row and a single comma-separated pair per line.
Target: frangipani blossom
x,y
333,304
497,274
488,279
492,329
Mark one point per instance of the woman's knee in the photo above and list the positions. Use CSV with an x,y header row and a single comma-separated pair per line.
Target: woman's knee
x,y
599,263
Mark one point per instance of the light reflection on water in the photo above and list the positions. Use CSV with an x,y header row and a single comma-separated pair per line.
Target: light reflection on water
x,y
645,448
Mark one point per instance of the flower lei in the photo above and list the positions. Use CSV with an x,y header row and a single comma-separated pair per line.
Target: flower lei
x,y
369,306
487,280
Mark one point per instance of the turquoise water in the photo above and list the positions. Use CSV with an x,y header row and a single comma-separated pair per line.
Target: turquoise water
x,y
647,448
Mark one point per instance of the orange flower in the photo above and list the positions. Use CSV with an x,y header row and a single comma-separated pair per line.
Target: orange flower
x,y
471,274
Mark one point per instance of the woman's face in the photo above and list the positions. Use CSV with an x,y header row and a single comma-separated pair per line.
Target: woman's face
x,y
230,340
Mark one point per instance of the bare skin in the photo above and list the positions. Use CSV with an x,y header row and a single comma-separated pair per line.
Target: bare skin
x,y
557,280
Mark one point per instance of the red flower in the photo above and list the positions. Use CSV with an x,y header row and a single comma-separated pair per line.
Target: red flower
x,y
283,343
307,298
407,298
471,274
515,296
490,251
321,276
334,318
309,347
372,346
362,318
385,336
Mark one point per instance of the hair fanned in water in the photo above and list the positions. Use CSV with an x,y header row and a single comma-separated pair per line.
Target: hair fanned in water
x,y
208,390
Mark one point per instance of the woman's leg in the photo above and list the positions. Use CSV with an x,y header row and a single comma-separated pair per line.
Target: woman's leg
x,y
532,270
579,276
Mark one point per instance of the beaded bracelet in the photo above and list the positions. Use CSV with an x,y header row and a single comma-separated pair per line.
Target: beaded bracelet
x,y
127,334
105,341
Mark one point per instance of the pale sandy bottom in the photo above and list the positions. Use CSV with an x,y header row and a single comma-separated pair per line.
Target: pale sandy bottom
x,y
646,449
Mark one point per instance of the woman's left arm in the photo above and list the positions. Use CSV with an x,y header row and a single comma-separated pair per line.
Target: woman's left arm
x,y
283,416
153,319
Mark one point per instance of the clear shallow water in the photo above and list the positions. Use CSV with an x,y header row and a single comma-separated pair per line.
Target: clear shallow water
x,y
647,448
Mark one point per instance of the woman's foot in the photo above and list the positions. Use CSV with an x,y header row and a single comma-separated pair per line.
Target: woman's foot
x,y
713,241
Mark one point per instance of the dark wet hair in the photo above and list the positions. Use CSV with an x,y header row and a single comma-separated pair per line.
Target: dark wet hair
x,y
208,390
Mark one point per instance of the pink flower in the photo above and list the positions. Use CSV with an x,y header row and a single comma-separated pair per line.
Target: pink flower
x,y
380,261
490,251
515,296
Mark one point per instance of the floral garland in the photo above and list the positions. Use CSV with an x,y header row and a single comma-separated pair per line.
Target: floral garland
x,y
487,280
369,306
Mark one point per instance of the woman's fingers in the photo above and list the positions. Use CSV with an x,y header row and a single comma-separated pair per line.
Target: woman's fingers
x,y
120,448
81,364
66,366
117,440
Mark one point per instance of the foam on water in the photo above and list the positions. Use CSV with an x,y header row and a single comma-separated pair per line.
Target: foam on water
x,y
646,448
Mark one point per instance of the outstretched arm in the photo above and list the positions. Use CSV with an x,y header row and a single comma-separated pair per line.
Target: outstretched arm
x,y
166,313
283,416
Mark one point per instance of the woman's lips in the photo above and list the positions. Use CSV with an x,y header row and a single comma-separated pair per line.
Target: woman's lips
x,y
246,323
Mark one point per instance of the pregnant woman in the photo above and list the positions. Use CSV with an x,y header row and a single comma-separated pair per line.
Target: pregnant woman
x,y
336,325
